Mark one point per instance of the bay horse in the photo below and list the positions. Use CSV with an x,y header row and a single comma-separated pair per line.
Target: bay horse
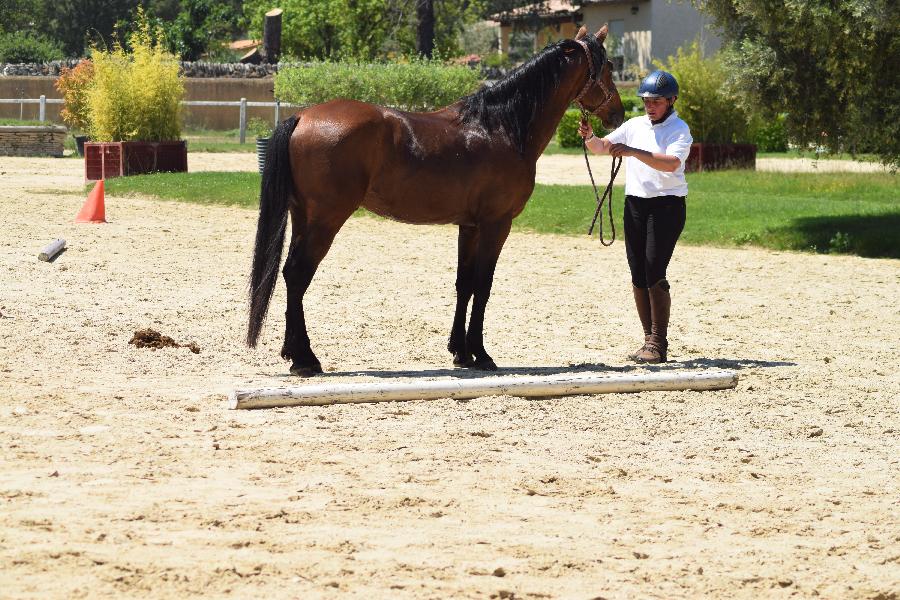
x,y
471,164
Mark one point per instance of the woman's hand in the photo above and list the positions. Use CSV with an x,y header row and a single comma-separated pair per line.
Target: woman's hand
x,y
585,131
659,161
621,150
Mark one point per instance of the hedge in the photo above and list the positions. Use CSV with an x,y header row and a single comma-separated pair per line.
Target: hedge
x,y
28,47
418,84
567,132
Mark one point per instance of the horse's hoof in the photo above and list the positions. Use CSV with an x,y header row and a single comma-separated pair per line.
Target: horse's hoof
x,y
484,364
306,370
462,362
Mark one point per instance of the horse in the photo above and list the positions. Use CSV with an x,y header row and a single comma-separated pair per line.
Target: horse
x,y
471,164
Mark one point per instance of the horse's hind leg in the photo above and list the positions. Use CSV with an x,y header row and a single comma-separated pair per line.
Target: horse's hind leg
x,y
491,238
309,245
465,286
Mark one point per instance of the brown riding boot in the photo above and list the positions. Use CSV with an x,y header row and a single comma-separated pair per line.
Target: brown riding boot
x,y
660,305
642,303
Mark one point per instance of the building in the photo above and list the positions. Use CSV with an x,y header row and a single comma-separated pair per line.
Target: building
x,y
640,31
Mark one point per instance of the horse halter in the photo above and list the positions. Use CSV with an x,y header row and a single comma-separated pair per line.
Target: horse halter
x,y
591,80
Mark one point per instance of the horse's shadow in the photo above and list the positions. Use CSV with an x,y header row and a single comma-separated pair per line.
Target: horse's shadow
x,y
694,363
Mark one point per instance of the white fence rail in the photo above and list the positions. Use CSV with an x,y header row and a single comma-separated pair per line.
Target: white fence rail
x,y
242,105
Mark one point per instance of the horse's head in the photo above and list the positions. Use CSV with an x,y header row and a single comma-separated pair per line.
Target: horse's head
x,y
599,95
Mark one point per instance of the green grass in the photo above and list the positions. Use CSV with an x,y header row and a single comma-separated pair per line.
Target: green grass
x,y
790,154
847,213
554,148
25,123
202,187
202,140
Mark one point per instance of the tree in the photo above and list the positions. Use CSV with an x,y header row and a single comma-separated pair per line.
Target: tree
x,y
450,18
329,28
425,28
365,29
198,27
22,15
831,65
77,23
71,23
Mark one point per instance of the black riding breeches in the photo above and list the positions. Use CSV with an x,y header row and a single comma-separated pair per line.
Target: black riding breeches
x,y
652,226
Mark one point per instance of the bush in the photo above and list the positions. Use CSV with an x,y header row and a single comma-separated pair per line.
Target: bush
x,y
73,85
30,47
135,95
703,102
769,136
567,132
417,84
632,104
259,128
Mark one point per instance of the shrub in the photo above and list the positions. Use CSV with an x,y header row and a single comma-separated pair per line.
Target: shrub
x,y
259,128
73,85
496,60
135,95
769,136
28,47
633,105
416,84
567,132
703,101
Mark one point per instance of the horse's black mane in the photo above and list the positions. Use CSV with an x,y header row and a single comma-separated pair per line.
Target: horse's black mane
x,y
512,103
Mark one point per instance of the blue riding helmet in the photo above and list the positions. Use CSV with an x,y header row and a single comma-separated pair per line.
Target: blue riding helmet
x,y
658,84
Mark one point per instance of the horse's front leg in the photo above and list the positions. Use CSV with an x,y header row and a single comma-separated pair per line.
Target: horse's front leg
x,y
492,236
465,285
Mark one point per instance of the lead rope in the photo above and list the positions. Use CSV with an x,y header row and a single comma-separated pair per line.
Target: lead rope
x,y
613,171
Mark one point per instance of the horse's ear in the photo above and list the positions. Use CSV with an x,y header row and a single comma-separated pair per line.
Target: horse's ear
x,y
581,33
601,35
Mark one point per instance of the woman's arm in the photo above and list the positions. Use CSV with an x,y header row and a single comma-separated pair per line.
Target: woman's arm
x,y
593,143
659,161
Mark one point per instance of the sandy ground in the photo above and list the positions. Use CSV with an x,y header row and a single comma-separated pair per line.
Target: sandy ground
x,y
122,473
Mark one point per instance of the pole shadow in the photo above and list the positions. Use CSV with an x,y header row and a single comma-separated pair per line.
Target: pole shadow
x,y
572,369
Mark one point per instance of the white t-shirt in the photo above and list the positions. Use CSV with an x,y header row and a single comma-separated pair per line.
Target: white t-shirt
x,y
672,137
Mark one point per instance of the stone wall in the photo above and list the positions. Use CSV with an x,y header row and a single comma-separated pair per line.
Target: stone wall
x,y
32,141
188,69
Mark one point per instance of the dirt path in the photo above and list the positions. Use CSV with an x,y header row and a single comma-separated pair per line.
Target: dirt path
x,y
122,474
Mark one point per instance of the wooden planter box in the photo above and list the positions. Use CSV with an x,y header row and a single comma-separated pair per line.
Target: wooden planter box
x,y
32,140
708,157
105,160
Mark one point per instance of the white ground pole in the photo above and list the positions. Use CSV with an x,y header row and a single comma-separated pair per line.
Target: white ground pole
x,y
51,250
527,387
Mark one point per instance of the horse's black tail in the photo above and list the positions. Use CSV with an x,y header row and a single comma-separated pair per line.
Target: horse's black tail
x,y
275,192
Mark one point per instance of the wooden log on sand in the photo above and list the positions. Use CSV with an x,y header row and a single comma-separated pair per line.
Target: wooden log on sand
x,y
527,387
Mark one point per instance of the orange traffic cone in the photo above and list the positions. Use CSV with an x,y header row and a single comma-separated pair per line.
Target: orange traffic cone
x,y
93,210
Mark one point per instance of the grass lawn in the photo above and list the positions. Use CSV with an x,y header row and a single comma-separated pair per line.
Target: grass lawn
x,y
24,123
200,140
848,213
554,148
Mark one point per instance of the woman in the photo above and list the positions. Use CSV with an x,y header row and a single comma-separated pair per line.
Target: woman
x,y
656,147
